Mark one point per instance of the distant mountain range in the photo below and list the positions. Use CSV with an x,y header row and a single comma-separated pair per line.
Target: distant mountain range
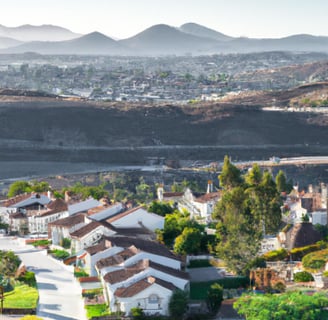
x,y
190,38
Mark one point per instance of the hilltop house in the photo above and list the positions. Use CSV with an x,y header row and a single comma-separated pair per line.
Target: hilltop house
x,y
198,205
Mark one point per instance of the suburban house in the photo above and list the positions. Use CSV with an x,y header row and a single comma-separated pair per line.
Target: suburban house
x,y
62,228
123,280
137,218
15,211
198,205
55,210
150,294
89,235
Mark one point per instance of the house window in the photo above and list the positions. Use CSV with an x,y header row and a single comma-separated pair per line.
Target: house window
x,y
153,298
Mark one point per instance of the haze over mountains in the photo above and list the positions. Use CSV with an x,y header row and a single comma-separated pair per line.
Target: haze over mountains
x,y
190,38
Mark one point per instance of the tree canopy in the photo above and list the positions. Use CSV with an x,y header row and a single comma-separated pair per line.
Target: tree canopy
x,y
289,305
249,208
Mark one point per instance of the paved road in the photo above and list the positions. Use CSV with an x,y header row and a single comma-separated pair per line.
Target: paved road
x,y
59,293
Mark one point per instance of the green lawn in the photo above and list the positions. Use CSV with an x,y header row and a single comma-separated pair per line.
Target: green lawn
x,y
22,297
96,310
198,290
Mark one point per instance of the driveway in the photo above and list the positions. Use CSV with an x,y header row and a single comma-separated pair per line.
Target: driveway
x,y
59,293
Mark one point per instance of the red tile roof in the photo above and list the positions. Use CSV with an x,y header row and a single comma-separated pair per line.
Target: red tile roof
x,y
208,197
69,222
126,273
80,233
144,245
117,258
140,286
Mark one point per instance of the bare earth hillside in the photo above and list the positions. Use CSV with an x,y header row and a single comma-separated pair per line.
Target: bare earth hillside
x,y
53,130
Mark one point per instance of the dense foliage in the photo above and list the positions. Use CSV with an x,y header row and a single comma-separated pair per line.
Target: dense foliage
x,y
178,304
276,255
9,263
249,208
160,208
19,187
214,298
290,305
185,235
315,260
303,276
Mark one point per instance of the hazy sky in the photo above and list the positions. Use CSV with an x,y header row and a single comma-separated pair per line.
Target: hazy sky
x,y
125,18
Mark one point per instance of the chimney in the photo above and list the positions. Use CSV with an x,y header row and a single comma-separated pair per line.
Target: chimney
x,y
310,188
160,192
49,195
209,186
67,196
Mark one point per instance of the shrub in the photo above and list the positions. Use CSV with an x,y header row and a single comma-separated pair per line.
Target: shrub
x,y
315,260
137,313
41,243
59,254
303,276
199,263
78,273
276,255
28,278
66,243
299,253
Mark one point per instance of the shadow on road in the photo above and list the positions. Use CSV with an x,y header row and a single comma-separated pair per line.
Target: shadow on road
x,y
46,286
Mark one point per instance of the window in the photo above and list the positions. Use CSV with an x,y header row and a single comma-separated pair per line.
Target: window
x,y
153,298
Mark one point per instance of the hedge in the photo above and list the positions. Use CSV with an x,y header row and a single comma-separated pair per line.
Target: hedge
x,y
303,276
298,253
315,260
276,255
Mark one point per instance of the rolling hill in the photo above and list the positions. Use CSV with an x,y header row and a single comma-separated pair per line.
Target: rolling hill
x,y
94,43
28,33
164,39
161,39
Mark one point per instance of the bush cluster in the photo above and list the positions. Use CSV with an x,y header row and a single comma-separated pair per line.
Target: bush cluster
x,y
303,276
276,255
315,260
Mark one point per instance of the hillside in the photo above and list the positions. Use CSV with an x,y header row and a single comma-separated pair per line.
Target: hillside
x,y
56,130
37,33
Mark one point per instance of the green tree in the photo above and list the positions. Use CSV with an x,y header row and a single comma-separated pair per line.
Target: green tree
x,y
160,208
290,305
282,184
230,176
214,298
178,304
189,242
265,203
238,232
19,187
143,191
41,186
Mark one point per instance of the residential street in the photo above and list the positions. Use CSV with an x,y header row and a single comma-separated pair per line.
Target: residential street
x,y
59,293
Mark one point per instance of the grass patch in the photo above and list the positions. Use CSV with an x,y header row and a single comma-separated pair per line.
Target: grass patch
x,y
97,310
22,297
78,273
198,290
59,254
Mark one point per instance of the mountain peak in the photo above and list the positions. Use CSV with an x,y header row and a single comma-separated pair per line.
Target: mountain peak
x,y
204,32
